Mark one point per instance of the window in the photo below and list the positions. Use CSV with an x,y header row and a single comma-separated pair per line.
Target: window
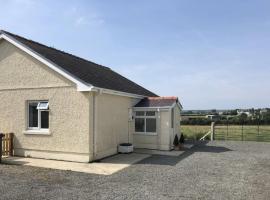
x,y
145,122
33,115
38,115
139,124
44,105
140,113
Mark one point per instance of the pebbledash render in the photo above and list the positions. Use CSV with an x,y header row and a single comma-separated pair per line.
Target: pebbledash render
x,y
63,107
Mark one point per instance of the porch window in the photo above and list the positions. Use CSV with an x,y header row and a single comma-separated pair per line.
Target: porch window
x,y
145,122
38,115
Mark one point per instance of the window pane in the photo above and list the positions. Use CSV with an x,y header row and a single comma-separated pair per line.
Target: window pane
x,y
43,105
33,115
151,125
150,113
140,113
139,125
44,119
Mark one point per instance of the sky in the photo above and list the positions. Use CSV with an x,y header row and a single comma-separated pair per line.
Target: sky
x,y
211,54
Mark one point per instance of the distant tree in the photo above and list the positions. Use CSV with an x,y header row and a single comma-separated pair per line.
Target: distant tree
x,y
187,112
213,111
233,112
243,117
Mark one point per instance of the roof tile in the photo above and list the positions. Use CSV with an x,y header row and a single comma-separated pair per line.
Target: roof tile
x,y
157,102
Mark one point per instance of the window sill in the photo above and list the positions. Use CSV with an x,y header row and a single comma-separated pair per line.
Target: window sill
x,y
145,134
37,132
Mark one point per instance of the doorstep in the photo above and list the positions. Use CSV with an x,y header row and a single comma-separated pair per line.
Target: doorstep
x,y
106,166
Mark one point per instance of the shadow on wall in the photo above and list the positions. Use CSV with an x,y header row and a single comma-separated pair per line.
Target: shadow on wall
x,y
172,160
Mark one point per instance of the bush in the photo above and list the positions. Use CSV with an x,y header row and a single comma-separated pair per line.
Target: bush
x,y
176,141
182,139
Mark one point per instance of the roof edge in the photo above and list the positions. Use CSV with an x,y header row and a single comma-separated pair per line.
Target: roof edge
x,y
81,85
115,92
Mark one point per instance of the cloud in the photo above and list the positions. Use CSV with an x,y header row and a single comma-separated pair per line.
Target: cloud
x,y
92,20
82,17
81,21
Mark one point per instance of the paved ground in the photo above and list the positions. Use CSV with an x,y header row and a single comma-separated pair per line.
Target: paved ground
x,y
107,166
217,170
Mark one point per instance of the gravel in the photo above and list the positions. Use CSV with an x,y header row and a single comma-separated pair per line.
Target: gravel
x,y
214,170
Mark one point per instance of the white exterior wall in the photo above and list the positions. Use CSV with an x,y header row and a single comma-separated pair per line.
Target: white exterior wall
x,y
83,125
112,123
165,133
159,141
22,79
177,127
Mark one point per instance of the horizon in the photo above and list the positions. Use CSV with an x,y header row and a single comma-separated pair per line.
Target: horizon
x,y
209,54
223,109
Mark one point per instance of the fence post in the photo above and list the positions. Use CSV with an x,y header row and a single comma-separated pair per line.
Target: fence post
x,y
11,136
1,136
212,131
227,129
243,131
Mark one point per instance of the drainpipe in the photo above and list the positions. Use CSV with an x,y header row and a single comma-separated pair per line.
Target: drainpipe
x,y
94,126
94,114
158,128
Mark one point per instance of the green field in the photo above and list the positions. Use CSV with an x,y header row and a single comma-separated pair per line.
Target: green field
x,y
194,132
232,132
245,133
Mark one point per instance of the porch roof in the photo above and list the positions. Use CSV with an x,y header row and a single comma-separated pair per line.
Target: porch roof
x,y
157,102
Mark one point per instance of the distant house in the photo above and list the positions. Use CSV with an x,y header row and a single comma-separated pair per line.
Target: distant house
x,y
213,117
264,110
60,106
243,111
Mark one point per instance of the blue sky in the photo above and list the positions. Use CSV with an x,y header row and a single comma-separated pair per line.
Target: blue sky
x,y
211,54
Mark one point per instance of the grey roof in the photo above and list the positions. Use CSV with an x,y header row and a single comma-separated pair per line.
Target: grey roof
x,y
157,102
86,71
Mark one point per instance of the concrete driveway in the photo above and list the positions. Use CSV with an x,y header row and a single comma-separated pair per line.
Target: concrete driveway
x,y
107,166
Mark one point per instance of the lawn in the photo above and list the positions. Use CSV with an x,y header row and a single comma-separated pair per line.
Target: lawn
x,y
246,133
232,132
194,132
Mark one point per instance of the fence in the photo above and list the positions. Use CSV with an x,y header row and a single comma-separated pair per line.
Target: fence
x,y
6,146
260,133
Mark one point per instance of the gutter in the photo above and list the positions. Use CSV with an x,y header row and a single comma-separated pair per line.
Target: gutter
x,y
115,92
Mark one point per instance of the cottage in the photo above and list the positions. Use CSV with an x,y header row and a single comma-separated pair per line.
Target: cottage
x,y
63,107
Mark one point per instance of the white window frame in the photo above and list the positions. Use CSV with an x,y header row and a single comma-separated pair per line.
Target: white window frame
x,y
39,117
146,117
39,107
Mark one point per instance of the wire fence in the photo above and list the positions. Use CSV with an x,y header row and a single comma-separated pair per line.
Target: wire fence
x,y
260,133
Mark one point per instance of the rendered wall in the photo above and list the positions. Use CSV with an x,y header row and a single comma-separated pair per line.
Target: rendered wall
x,y
112,123
177,127
23,78
160,141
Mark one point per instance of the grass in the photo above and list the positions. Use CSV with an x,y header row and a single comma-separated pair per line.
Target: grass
x,y
246,133
232,132
194,132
